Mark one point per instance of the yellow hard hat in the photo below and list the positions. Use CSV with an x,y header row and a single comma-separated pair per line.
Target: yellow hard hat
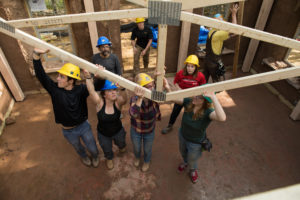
x,y
143,79
139,20
192,59
70,70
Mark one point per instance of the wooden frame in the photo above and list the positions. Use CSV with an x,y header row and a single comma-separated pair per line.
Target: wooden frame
x,y
185,16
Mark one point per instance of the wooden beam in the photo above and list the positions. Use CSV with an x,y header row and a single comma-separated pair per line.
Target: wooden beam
x,y
161,54
82,17
238,41
260,25
241,30
184,42
236,83
295,115
89,7
188,4
64,55
10,78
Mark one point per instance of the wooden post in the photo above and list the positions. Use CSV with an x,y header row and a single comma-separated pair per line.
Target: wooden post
x,y
10,78
295,115
184,42
89,7
236,83
161,54
238,41
260,25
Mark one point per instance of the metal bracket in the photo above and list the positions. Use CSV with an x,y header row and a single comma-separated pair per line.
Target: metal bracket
x,y
164,12
7,27
158,96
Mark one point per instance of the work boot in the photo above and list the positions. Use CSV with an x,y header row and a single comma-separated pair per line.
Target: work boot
x,y
122,150
145,167
86,161
167,129
182,167
194,176
136,162
109,164
95,162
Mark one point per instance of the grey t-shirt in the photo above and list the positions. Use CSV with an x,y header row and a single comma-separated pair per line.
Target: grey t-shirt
x,y
111,63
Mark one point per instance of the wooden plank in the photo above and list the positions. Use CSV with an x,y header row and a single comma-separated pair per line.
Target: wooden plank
x,y
240,30
89,7
189,4
9,109
161,54
260,25
10,78
184,42
295,115
82,17
238,41
64,55
236,83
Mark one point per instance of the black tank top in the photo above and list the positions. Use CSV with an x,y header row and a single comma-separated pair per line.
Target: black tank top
x,y
209,52
109,124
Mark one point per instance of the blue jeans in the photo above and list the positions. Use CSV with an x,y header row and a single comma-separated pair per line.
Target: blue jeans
x,y
142,139
106,143
189,151
84,132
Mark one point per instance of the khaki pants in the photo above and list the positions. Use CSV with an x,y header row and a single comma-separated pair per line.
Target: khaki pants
x,y
136,66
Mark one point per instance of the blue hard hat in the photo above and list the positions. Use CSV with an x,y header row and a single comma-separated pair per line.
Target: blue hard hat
x,y
102,41
109,85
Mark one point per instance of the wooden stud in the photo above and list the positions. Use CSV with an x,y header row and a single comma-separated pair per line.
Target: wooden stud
x,y
10,78
240,30
64,55
161,54
82,17
89,7
236,83
260,25
238,41
184,42
295,115
189,4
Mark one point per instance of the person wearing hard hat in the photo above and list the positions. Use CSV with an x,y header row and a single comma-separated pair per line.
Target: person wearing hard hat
x,y
188,77
144,113
108,107
70,107
141,39
213,65
107,59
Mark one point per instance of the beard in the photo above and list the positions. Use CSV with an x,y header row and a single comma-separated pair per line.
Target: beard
x,y
105,53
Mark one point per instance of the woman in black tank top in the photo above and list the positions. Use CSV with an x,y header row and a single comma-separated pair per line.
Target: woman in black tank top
x,y
108,107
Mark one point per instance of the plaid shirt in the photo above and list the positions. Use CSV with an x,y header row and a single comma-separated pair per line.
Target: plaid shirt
x,y
143,118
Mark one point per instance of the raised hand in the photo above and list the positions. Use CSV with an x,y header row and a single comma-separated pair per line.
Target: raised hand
x,y
139,91
40,51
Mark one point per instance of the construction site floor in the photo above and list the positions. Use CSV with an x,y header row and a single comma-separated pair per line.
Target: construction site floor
x,y
257,149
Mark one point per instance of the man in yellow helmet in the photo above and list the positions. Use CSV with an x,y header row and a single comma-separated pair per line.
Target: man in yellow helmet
x,y
214,47
141,39
69,106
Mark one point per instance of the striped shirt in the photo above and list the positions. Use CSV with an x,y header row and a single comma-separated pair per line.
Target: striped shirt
x,y
143,118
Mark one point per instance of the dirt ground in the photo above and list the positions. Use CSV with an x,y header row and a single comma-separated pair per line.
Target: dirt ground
x,y
257,149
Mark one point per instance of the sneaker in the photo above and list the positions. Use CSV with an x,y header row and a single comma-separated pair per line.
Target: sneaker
x,y
109,164
122,150
95,162
136,162
194,176
182,167
145,167
86,161
167,129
